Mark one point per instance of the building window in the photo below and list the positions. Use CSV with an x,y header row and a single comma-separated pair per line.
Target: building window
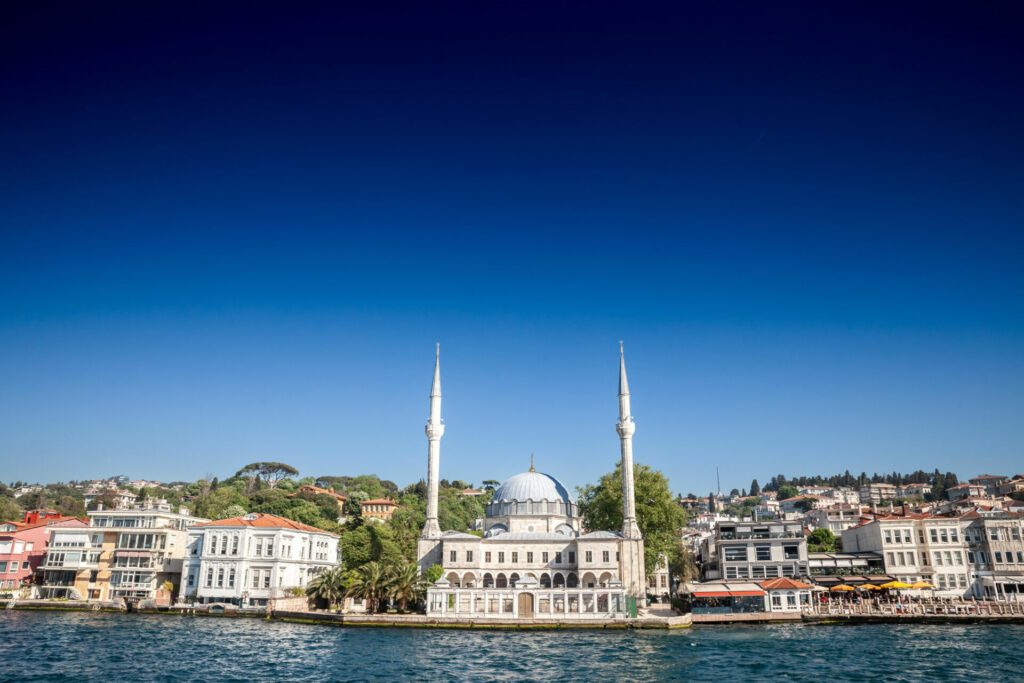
x,y
515,557
234,545
453,556
735,554
529,558
231,578
209,577
935,535
572,557
544,557
469,556
487,556
191,580
558,558
604,556
501,557
888,536
220,578
266,578
590,556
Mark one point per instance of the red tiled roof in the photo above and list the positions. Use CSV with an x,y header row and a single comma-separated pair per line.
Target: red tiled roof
x,y
379,501
261,520
783,584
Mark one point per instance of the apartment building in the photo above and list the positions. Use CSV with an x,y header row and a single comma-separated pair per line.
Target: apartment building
x,y
995,554
23,546
760,551
252,559
874,494
122,554
915,547
835,518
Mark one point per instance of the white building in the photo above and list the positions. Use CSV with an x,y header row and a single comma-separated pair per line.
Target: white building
x,y
250,559
836,518
916,547
534,561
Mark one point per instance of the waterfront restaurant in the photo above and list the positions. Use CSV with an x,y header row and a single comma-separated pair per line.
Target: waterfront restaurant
x,y
726,597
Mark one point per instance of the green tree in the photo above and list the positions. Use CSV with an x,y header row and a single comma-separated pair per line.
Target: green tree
x,y
661,521
329,586
270,473
433,573
405,585
755,488
370,583
10,511
787,491
822,541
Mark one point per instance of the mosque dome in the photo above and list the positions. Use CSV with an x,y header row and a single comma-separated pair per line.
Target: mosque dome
x,y
533,486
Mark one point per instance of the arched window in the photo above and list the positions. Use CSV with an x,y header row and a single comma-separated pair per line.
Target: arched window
x,y
573,581
488,580
501,581
545,581
559,580
513,580
453,579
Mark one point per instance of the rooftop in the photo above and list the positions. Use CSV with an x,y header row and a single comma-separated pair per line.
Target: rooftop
x,y
262,520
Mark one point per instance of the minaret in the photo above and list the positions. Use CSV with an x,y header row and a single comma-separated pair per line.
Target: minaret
x,y
626,427
434,430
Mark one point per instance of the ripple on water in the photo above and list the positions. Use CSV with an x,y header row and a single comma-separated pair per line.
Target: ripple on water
x,y
84,647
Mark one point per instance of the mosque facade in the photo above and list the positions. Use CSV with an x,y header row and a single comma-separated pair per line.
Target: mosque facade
x,y
534,561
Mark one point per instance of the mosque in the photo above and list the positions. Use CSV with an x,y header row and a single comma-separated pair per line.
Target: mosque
x,y
534,561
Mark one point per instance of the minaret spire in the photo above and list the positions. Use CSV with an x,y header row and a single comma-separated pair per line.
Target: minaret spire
x,y
626,428
434,431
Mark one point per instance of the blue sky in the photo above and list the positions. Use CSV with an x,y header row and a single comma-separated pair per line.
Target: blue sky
x,y
232,236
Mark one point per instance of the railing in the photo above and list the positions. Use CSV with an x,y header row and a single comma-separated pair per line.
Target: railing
x,y
916,608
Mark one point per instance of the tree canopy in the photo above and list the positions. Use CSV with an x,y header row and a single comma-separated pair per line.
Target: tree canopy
x,y
660,519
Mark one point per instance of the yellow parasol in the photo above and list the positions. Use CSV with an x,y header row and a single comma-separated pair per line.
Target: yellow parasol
x,y
895,585
870,587
921,585
842,587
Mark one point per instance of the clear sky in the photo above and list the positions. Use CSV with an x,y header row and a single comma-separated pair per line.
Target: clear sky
x,y
234,233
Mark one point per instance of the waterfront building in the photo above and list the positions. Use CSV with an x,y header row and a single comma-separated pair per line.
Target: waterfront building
x,y
378,509
854,568
122,554
995,554
23,546
916,547
751,550
254,558
786,595
874,494
726,597
534,559
836,518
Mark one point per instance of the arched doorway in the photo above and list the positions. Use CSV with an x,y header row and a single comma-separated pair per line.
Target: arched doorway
x,y
559,580
589,580
469,580
525,605
604,580
501,581
488,580
545,580
453,579
573,581
513,580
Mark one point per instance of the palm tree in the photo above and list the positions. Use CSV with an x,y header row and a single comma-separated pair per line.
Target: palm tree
x,y
370,584
406,585
329,585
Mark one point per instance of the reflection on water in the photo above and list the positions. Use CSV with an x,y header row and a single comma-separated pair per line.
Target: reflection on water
x,y
86,647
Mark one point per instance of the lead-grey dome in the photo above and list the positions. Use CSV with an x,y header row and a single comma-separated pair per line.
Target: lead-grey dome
x,y
535,486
